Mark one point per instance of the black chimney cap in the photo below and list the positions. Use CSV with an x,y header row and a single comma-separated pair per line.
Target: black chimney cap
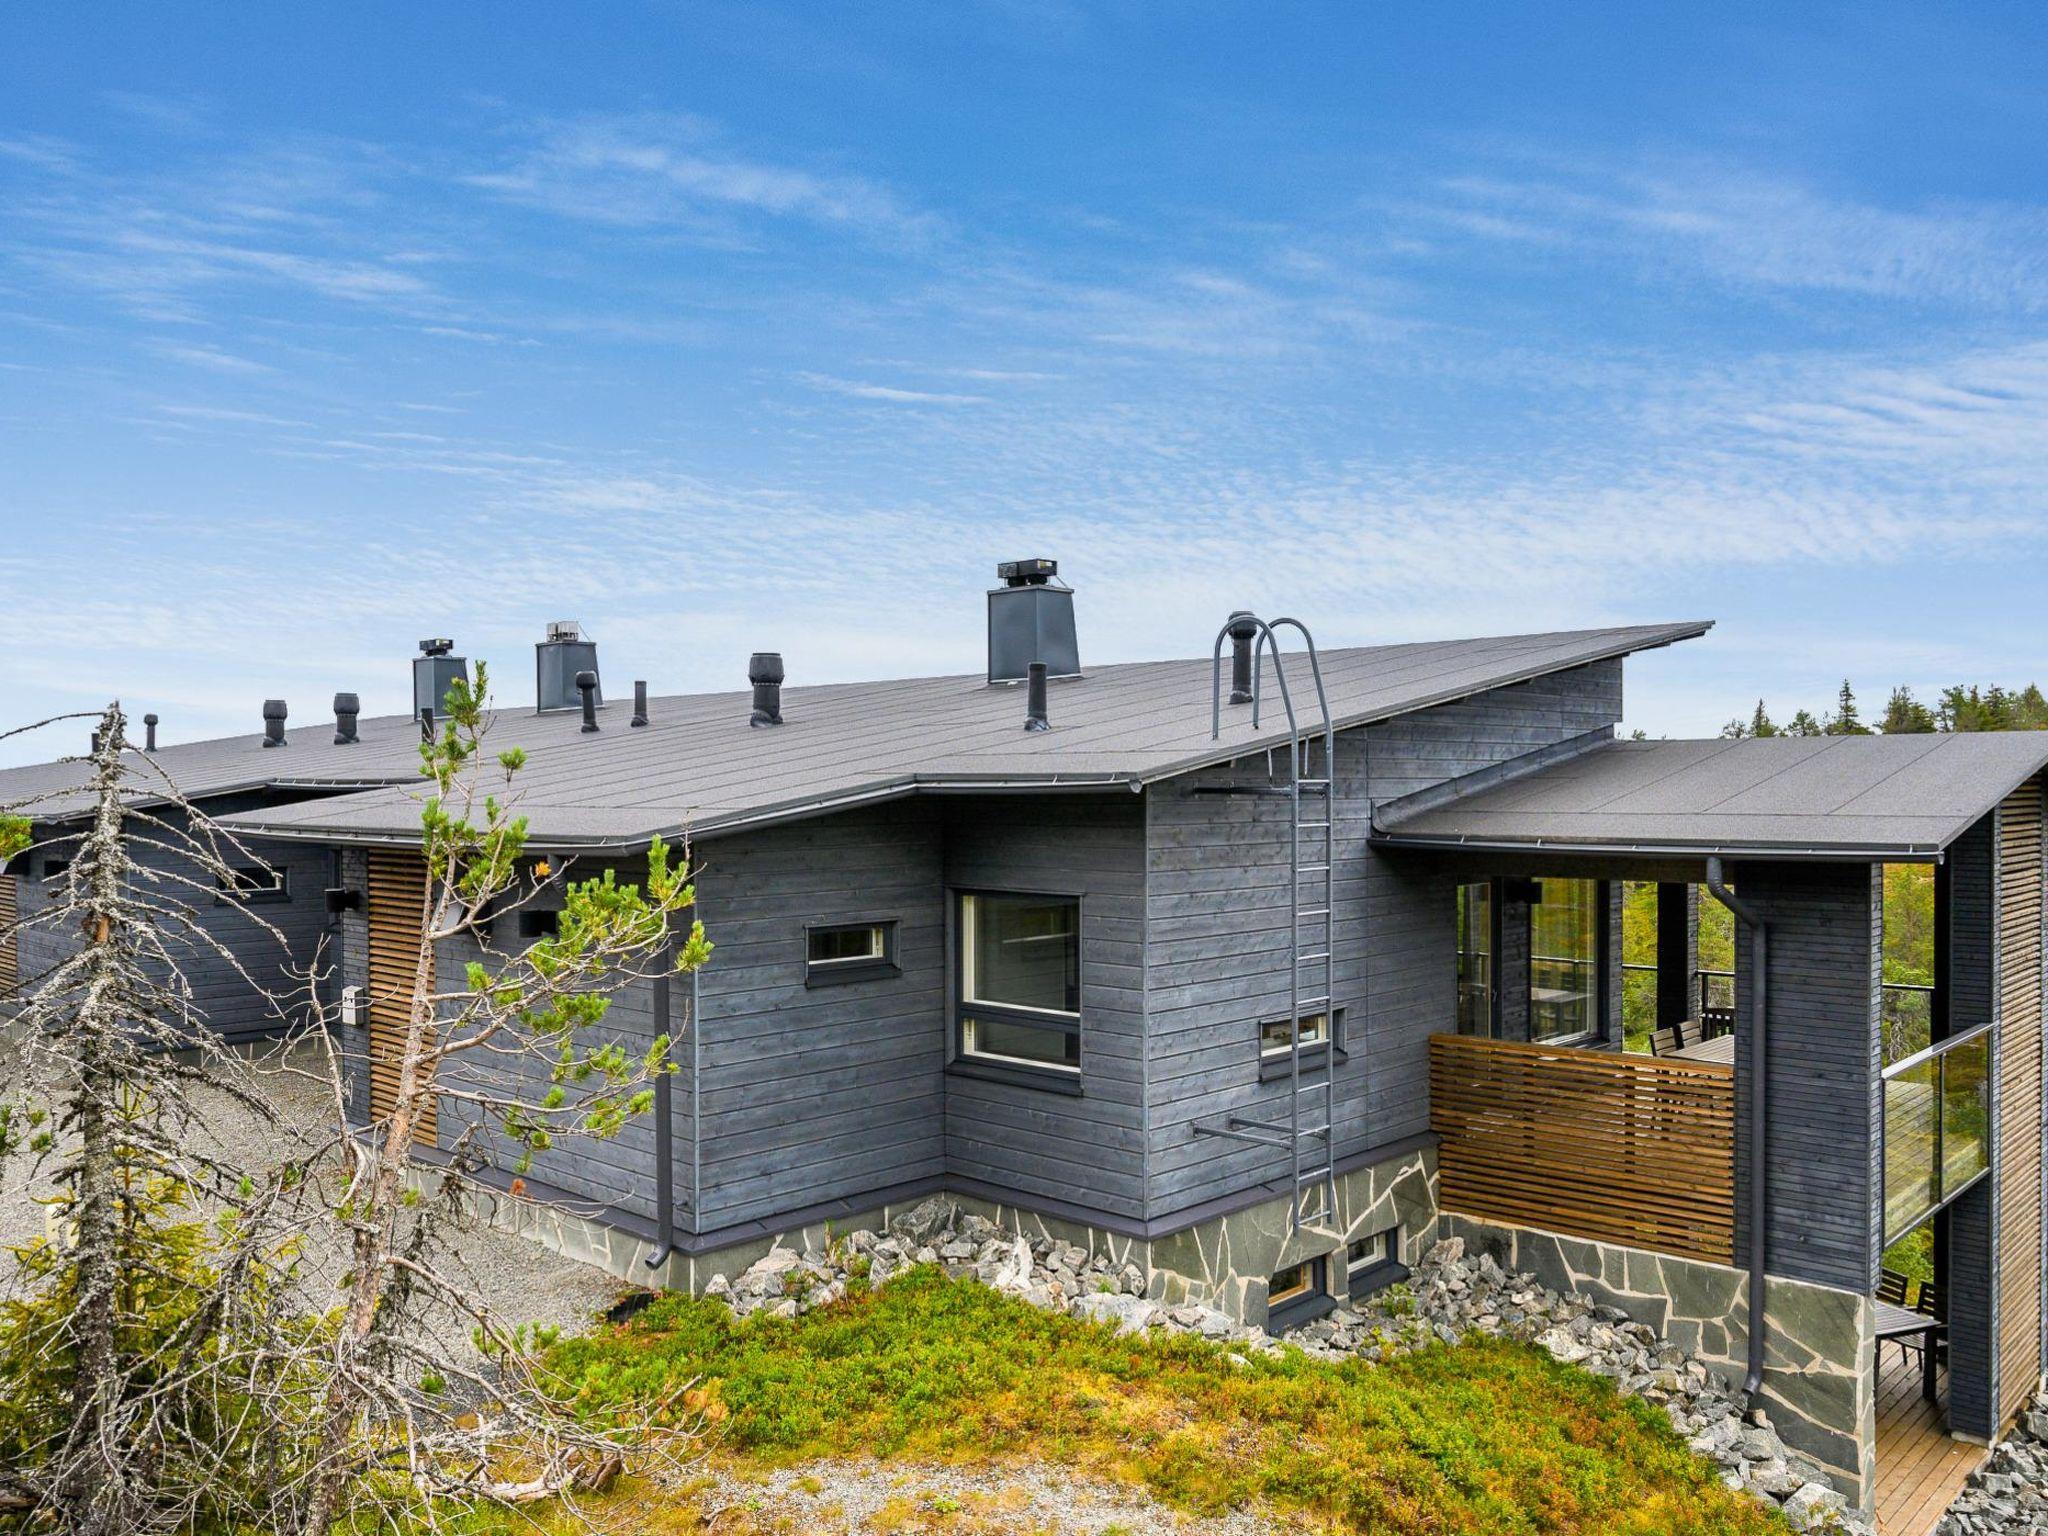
x,y
150,719
436,647
765,667
273,709
1027,573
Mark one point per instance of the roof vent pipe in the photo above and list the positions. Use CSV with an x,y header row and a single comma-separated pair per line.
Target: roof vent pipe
x,y
639,704
1243,627
273,722
586,685
346,708
764,671
1034,699
149,723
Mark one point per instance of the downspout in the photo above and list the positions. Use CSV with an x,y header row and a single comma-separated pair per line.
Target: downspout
x,y
1759,1109
664,1122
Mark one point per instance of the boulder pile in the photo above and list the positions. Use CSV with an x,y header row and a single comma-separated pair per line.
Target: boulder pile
x,y
2008,1495
1449,1296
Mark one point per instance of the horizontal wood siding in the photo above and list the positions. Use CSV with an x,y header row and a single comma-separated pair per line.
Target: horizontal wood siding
x,y
261,991
1633,1150
2019,1181
810,1094
1086,1150
1216,926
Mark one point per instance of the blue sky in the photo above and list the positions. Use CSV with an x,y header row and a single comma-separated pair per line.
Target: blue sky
x,y
724,328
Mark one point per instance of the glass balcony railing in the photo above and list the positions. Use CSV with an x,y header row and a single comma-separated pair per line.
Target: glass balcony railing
x,y
1937,1127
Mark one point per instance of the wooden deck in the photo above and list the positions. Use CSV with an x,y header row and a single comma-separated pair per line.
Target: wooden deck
x,y
1919,1469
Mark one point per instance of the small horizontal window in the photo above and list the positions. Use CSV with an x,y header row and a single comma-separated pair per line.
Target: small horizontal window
x,y
254,883
1297,1294
1274,1040
849,952
52,868
538,923
1373,1263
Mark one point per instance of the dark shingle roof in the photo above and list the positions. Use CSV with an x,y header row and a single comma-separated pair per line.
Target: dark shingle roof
x,y
1901,797
698,765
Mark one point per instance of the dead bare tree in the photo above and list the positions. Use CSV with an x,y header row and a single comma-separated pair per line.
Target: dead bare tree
x,y
144,1346
405,1418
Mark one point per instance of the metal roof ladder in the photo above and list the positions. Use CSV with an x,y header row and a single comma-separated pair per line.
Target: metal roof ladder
x,y
1308,1133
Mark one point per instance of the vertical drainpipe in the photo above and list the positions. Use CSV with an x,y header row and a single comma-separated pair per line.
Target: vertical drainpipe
x,y
664,1121
1759,1108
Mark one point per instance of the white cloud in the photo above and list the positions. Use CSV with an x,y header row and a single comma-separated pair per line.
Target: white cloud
x,y
889,394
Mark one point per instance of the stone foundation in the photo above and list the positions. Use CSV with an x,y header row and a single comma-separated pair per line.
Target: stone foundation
x,y
1222,1263
1819,1368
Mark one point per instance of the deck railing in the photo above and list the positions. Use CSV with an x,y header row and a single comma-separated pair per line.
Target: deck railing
x,y
1633,1150
1937,1127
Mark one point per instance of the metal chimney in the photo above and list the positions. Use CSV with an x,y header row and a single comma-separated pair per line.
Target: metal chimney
x,y
273,722
433,672
586,685
346,708
557,662
639,703
149,723
1244,628
764,671
1031,618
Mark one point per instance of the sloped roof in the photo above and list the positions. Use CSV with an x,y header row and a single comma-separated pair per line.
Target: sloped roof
x,y
1876,797
698,767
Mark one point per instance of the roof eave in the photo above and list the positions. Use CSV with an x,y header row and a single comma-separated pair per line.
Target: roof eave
x,y
1899,853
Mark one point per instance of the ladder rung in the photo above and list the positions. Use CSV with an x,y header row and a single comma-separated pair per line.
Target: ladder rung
x,y
1312,959
1314,826
1304,869
1306,783
1312,1176
1310,1002
1315,912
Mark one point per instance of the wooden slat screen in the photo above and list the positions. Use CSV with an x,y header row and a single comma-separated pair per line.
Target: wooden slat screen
x,y
2019,1096
10,941
398,899
1633,1150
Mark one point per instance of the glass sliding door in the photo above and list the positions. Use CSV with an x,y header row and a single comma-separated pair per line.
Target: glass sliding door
x,y
1564,960
1475,959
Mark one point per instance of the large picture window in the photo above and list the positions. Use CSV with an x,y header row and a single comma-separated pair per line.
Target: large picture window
x,y
1020,980
1564,960
1475,959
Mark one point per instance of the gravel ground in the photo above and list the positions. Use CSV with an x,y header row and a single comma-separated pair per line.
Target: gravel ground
x,y
829,1498
520,1280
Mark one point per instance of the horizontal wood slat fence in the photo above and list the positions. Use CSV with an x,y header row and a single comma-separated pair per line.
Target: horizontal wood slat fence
x,y
1633,1150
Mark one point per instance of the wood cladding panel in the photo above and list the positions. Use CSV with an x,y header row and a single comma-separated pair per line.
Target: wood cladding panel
x,y
2020,876
1634,1150
398,900
10,941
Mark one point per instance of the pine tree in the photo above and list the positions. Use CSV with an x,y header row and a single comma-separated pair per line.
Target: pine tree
x,y
1845,721
1905,715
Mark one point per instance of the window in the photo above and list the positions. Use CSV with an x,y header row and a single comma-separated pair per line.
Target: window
x,y
1297,1294
848,952
254,883
538,923
1274,1039
1020,981
1373,1263
52,868
1564,960
1475,959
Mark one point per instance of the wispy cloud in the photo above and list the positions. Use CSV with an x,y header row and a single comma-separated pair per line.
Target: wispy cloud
x,y
201,355
889,394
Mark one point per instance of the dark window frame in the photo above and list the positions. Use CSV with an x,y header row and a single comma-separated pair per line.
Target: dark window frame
x,y
833,973
53,869
1312,1303
1375,1272
276,892
961,1061
1602,962
539,922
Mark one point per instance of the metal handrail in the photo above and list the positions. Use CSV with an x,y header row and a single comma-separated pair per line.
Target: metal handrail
x,y
1945,1044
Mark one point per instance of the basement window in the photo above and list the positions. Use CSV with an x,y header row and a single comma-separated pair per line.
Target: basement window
x,y
254,884
838,952
1373,1263
1298,1294
1020,981
1275,1041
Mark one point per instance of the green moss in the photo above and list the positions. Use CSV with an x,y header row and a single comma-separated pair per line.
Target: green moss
x,y
1486,1437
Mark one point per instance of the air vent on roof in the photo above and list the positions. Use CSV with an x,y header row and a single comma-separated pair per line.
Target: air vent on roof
x,y
764,671
556,661
1031,618
273,722
347,707
149,724
434,670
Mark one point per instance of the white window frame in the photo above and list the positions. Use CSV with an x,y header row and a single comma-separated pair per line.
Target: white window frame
x,y
1309,1041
